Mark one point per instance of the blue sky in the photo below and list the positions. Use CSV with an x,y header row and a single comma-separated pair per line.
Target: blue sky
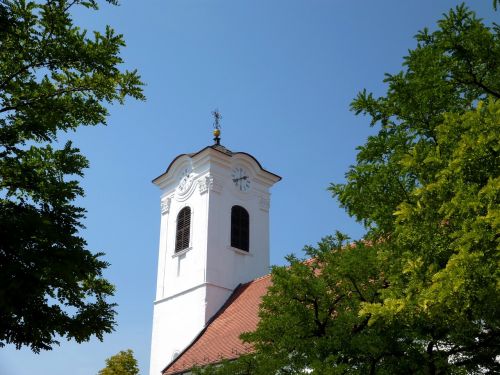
x,y
282,73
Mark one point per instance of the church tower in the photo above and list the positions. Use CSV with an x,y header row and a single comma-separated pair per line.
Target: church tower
x,y
214,235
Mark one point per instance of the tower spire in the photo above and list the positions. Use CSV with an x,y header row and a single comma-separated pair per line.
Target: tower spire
x,y
216,132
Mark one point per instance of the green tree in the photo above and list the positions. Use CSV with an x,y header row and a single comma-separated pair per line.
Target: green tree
x,y
122,363
428,185
54,77
309,317
420,294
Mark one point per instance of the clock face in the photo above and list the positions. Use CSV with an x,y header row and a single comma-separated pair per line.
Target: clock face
x,y
240,179
185,180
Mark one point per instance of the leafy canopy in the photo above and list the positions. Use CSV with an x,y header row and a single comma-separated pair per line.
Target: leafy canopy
x,y
54,77
420,294
123,363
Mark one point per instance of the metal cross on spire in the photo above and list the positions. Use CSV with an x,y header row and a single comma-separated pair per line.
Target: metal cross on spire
x,y
216,132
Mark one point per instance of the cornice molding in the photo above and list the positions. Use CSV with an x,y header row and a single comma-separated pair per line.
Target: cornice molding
x,y
165,205
209,182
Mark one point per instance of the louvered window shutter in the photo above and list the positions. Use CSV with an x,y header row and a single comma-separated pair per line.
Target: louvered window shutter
x,y
240,228
183,229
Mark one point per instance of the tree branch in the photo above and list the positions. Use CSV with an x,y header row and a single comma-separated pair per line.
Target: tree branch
x,y
54,94
470,68
360,327
357,289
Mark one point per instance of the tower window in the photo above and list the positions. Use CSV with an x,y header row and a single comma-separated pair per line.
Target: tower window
x,y
240,231
183,229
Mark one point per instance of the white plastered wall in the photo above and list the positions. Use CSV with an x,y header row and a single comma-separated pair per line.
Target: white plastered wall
x,y
193,284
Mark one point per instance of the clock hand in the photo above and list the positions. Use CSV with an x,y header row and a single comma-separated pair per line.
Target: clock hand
x,y
241,178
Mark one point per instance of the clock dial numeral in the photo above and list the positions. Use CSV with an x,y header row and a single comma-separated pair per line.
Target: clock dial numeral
x,y
185,180
240,179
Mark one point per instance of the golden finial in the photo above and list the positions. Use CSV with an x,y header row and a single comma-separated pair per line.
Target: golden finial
x,y
216,132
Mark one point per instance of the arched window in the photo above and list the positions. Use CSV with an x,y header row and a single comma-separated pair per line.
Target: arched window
x,y
183,229
240,228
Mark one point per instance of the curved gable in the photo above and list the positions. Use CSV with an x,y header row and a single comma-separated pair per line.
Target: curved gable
x,y
243,156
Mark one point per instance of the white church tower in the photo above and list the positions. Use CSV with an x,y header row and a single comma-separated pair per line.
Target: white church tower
x,y
214,235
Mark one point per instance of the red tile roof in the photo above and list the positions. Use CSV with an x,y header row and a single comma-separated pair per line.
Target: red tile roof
x,y
220,338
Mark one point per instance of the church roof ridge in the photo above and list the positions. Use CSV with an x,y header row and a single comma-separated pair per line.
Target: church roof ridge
x,y
258,279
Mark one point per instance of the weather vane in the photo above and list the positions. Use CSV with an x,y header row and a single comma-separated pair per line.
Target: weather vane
x,y
216,132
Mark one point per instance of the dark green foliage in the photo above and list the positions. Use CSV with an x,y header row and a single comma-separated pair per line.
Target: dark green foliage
x,y
122,363
421,294
53,77
246,365
319,300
